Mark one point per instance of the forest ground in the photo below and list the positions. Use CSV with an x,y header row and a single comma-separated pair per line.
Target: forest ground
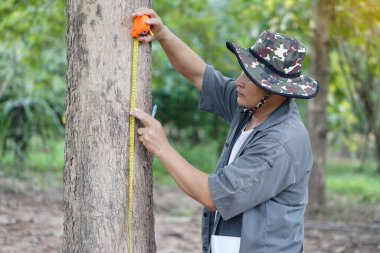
x,y
31,220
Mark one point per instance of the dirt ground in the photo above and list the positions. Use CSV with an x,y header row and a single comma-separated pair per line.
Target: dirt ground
x,y
31,221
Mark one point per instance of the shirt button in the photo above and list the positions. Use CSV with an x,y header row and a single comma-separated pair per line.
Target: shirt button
x,y
227,144
205,214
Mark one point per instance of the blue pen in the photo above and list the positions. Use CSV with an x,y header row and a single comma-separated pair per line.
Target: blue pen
x,y
154,111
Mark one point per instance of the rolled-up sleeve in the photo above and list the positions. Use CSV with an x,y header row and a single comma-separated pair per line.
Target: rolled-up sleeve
x,y
260,173
218,94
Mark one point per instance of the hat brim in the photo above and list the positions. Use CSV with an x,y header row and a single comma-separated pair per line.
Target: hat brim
x,y
299,87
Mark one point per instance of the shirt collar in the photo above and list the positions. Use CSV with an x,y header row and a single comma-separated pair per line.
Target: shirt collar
x,y
280,114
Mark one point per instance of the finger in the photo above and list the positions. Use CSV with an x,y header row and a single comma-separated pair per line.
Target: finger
x,y
140,131
146,38
145,11
153,21
141,139
144,117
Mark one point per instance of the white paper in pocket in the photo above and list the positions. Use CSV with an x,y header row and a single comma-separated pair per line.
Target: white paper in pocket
x,y
225,244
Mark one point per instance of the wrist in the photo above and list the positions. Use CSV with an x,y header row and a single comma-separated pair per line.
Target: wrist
x,y
163,151
163,34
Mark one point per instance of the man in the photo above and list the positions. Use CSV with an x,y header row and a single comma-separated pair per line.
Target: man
x,y
259,188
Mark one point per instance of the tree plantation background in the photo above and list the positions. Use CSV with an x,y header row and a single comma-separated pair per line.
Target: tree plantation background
x,y
342,37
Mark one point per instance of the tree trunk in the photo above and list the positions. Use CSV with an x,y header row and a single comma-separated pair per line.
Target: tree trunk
x,y
317,120
377,151
96,175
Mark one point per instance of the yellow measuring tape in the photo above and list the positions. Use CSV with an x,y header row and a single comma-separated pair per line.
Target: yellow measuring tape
x,y
132,136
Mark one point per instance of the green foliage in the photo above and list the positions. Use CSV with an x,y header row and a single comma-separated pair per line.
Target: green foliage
x,y
32,69
21,117
183,121
44,159
355,83
347,179
33,62
240,21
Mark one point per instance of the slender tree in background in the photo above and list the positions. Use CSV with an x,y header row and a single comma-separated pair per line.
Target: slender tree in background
x,y
317,119
97,136
358,44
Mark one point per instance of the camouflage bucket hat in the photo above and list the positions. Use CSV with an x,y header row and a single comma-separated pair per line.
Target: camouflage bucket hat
x,y
274,64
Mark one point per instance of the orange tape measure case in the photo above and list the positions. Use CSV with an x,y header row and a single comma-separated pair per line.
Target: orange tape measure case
x,y
140,27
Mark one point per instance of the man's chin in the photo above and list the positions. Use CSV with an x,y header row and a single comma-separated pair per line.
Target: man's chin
x,y
240,103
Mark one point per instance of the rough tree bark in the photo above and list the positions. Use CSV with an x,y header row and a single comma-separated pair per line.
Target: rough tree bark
x,y
317,120
97,136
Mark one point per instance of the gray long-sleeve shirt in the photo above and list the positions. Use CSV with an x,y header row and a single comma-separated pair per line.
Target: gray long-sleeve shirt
x,y
262,195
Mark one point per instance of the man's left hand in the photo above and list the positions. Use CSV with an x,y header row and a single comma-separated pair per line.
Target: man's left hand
x,y
152,136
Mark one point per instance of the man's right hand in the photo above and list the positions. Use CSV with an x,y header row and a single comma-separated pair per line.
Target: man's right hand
x,y
157,27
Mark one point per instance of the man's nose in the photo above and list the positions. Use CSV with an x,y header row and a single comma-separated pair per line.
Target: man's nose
x,y
239,83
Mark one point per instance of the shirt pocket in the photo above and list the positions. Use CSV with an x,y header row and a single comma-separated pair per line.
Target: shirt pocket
x,y
247,180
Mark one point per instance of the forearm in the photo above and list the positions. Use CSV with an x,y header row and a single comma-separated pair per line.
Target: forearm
x,y
183,59
192,181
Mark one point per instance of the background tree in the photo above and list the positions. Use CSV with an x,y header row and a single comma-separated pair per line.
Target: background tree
x,y
96,154
317,119
357,43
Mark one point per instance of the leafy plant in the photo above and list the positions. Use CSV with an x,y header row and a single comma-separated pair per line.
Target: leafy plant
x,y
21,118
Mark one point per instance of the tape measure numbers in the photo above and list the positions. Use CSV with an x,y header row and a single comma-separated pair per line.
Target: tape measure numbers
x,y
132,137
140,28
